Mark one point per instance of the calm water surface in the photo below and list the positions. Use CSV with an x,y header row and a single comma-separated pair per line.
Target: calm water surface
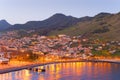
x,y
69,71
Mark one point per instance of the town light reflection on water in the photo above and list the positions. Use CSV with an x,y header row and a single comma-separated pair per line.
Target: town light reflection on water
x,y
68,71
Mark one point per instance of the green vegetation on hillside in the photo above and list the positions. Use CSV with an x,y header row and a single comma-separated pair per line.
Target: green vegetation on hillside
x,y
103,26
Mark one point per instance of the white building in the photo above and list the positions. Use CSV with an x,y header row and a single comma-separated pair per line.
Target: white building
x,y
2,59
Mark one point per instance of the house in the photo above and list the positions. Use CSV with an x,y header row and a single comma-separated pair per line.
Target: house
x,y
2,59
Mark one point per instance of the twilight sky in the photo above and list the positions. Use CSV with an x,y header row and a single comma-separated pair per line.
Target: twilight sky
x,y
21,11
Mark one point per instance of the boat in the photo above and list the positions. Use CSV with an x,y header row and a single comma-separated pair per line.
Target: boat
x,y
37,69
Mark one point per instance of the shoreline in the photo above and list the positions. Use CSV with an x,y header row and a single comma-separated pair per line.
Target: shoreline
x,y
17,68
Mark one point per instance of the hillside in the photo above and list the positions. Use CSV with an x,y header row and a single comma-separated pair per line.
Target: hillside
x,y
103,26
55,22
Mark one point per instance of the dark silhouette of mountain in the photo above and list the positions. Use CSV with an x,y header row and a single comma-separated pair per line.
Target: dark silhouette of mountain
x,y
55,22
102,15
103,25
4,25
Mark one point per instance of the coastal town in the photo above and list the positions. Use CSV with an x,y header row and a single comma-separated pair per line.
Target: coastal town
x,y
60,45
54,47
60,40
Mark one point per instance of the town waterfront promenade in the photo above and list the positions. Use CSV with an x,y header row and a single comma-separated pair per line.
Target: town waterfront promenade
x,y
17,65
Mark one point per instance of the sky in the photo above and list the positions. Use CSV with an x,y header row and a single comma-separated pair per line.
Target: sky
x,y
21,11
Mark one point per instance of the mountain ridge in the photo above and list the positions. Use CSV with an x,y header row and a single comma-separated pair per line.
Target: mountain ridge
x,y
4,25
103,25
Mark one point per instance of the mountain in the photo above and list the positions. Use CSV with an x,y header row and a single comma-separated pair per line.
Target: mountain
x,y
4,25
103,26
55,22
